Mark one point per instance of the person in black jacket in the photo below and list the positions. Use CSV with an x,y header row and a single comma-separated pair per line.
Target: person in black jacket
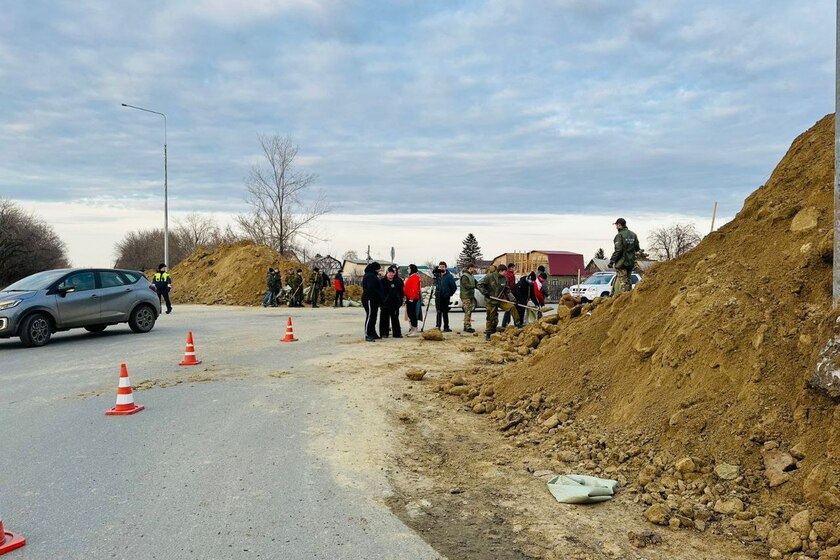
x,y
269,287
372,297
444,290
392,288
325,283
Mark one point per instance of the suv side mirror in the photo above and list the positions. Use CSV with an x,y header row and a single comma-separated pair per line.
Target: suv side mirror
x,y
64,290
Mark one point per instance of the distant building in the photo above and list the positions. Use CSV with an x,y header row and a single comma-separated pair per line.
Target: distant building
x,y
355,269
600,265
481,266
596,265
327,264
426,276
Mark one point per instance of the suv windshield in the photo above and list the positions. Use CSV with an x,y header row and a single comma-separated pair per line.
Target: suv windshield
x,y
599,279
38,281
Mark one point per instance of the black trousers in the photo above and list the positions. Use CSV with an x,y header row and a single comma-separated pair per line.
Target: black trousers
x,y
411,307
339,298
371,313
390,316
165,295
442,313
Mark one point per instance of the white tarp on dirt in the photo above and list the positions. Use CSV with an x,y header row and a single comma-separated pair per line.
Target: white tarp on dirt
x,y
581,489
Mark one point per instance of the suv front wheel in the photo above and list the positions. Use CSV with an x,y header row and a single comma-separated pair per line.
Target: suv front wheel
x,y
35,330
142,319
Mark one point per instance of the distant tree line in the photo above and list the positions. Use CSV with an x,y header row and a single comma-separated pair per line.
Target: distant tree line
x,y
27,244
143,249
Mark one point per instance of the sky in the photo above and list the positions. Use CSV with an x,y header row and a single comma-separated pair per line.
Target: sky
x,y
531,123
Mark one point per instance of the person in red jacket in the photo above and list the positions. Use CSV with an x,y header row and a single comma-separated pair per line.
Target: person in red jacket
x,y
539,289
411,289
338,284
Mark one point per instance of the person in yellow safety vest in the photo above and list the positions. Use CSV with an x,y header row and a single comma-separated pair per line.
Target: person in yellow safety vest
x,y
163,283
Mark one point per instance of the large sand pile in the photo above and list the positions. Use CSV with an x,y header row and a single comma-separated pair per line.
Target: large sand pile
x,y
233,274
709,360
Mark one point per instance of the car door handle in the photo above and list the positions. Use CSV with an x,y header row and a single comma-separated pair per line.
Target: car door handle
x,y
94,296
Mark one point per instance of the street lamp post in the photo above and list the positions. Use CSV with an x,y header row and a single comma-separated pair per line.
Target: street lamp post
x,y
165,182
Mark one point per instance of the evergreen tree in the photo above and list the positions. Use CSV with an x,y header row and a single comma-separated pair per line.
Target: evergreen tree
x,y
600,254
471,252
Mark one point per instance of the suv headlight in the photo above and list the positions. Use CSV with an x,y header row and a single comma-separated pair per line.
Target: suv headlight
x,y
9,303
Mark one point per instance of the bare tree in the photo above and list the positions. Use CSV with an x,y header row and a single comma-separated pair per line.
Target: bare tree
x,y
279,216
196,230
351,255
669,242
143,249
27,244
225,236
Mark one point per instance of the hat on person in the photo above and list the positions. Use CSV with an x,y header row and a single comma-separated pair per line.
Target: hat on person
x,y
621,221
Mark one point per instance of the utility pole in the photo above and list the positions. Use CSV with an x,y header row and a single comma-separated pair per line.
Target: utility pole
x,y
714,209
836,272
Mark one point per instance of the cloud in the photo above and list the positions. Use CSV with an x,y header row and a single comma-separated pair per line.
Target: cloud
x,y
488,106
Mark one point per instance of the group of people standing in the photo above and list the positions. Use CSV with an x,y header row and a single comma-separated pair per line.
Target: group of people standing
x,y
386,294
299,294
383,297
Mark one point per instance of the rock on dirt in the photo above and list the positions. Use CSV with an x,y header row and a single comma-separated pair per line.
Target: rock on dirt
x,y
784,539
777,464
643,539
730,506
433,334
725,471
658,514
416,374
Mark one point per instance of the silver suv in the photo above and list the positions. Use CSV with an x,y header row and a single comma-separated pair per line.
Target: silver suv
x,y
600,284
57,300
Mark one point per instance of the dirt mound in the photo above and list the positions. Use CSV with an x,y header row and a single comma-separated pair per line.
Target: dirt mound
x,y
234,274
707,359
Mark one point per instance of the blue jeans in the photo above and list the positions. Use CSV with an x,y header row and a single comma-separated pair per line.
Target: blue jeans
x,y
269,298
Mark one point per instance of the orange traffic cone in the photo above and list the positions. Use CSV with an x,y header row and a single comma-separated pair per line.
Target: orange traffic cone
x,y
125,398
9,541
189,353
290,332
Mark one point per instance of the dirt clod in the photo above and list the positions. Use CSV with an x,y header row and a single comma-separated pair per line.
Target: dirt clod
x,y
433,334
415,374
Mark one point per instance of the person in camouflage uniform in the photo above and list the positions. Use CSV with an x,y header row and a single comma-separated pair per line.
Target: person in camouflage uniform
x,y
315,286
468,296
624,257
296,286
494,285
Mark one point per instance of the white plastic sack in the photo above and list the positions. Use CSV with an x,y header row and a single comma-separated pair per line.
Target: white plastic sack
x,y
581,489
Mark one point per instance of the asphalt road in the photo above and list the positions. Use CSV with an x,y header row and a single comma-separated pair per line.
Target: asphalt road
x,y
221,464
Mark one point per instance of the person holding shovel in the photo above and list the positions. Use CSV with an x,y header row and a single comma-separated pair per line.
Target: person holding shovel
x,y
296,285
468,296
496,291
